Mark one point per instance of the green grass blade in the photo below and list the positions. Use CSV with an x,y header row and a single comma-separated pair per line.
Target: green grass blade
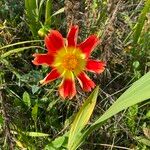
x,y
41,4
32,16
30,5
48,12
141,22
59,11
17,50
82,118
32,134
19,43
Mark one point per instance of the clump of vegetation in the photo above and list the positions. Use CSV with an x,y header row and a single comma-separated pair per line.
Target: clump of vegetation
x,y
114,115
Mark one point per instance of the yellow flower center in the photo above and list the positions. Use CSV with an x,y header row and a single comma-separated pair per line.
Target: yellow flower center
x,y
70,62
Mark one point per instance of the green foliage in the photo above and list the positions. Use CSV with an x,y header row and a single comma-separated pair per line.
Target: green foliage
x,y
143,140
34,13
48,12
1,120
35,112
131,118
137,93
33,16
36,116
26,99
58,143
141,21
81,119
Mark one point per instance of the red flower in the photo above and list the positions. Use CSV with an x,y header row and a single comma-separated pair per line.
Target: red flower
x,y
69,60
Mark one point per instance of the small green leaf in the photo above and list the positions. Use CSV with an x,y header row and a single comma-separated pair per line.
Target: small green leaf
x,y
59,11
34,112
33,134
59,143
35,88
148,114
36,134
1,120
26,99
136,64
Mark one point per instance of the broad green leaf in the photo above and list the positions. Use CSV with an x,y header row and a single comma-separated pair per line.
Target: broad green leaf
x,y
26,99
59,11
138,92
34,112
141,21
82,118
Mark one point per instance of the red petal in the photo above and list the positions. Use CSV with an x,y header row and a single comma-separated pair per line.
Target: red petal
x,y
89,44
54,41
72,36
41,59
54,74
86,83
67,89
95,66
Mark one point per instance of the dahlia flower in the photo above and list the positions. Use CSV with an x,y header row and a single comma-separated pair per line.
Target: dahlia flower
x,y
69,60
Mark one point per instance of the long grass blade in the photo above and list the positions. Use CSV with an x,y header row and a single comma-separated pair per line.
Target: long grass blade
x,y
17,50
141,21
82,118
48,12
19,43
